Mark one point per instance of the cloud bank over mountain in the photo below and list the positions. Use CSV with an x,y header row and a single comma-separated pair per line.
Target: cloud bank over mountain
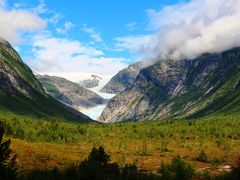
x,y
16,21
187,30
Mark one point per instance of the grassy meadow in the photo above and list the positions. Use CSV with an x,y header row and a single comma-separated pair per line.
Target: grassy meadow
x,y
207,144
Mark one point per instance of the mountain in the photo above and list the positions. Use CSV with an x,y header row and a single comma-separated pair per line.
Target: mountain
x,y
122,80
91,83
181,89
22,94
69,93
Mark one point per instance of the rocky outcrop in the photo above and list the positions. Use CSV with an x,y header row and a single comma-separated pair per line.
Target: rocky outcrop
x,y
122,80
180,89
69,93
91,83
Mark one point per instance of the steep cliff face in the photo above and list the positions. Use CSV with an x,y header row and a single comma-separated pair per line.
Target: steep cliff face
x,y
14,74
122,80
71,94
21,93
181,89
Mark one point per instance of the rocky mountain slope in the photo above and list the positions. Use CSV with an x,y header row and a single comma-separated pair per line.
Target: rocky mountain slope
x,y
22,94
92,82
122,80
180,89
69,93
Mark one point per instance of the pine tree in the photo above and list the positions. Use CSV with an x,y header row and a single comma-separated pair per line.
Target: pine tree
x,y
7,159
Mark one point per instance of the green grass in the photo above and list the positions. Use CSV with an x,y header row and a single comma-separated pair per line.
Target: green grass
x,y
212,127
147,144
37,107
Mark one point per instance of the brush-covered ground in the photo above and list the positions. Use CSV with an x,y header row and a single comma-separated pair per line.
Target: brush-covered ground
x,y
209,144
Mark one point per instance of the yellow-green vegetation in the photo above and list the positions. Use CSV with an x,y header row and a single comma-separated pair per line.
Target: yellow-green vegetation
x,y
44,144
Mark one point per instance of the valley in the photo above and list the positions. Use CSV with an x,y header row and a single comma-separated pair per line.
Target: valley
x,y
120,90
145,144
209,141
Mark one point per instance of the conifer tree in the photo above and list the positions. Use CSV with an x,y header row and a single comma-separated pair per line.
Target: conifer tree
x,y
7,159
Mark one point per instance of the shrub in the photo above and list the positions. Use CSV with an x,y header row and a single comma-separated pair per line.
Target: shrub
x,y
217,160
177,170
202,157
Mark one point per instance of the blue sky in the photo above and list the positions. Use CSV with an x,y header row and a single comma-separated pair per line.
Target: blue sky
x,y
92,25
108,19
75,39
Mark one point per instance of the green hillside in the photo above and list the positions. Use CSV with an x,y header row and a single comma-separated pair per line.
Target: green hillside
x,y
22,94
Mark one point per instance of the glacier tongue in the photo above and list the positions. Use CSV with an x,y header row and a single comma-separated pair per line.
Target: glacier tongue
x,y
96,111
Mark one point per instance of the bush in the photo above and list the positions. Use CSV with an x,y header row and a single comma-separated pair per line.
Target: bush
x,y
202,157
177,170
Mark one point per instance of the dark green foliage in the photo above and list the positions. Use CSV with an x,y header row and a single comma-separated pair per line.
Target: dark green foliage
x,y
98,162
213,128
7,160
99,156
177,170
202,157
130,172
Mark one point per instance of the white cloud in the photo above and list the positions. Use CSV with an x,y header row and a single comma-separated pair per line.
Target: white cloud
x,y
61,56
66,27
187,30
55,18
41,8
15,21
93,34
131,26
53,55
141,43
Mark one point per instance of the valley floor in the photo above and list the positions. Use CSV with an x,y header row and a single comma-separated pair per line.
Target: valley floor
x,y
41,144
45,155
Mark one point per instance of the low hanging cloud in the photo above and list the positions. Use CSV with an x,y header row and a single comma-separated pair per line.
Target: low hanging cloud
x,y
71,59
14,22
187,30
